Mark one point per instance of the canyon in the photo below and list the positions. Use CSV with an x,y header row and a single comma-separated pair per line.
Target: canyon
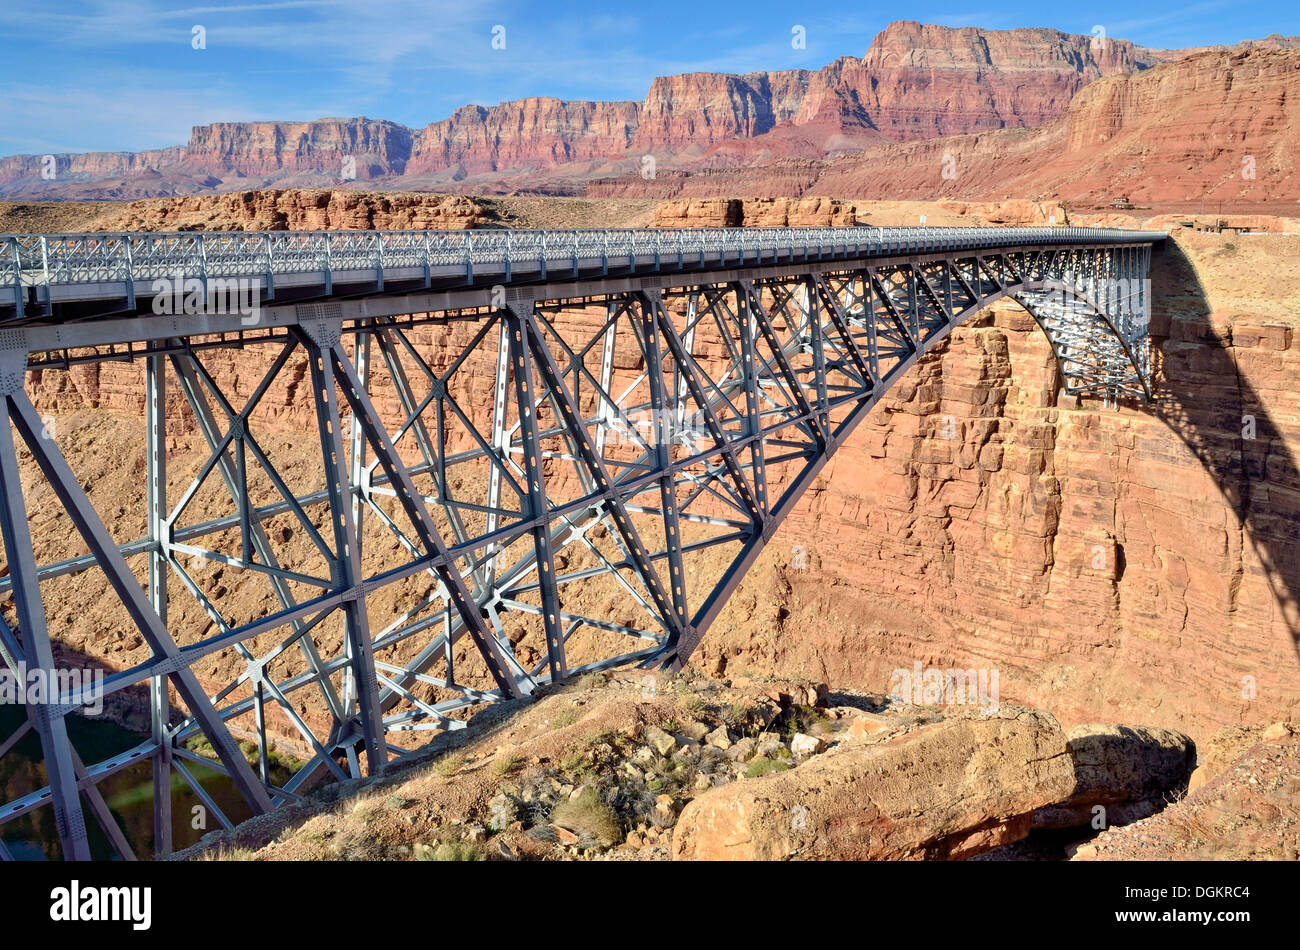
x,y
960,525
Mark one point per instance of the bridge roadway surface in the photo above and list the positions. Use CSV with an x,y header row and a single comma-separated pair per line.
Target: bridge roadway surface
x,y
54,278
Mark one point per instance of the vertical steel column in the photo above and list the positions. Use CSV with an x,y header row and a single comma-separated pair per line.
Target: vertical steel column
x,y
55,746
321,338
606,409
521,364
357,448
808,294
753,415
500,443
155,424
663,452
913,309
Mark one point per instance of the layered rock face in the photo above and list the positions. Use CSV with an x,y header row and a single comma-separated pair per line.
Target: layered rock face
x,y
920,82
527,133
377,148
1137,566
89,165
700,109
1216,125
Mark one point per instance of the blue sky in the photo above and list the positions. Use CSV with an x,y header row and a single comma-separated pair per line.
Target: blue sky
x,y
123,74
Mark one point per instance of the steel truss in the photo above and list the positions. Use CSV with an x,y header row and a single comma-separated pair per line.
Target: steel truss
x,y
643,443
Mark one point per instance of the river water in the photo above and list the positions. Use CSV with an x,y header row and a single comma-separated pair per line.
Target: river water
x,y
129,793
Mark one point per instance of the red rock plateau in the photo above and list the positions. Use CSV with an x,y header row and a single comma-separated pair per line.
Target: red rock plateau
x,y
1217,126
916,82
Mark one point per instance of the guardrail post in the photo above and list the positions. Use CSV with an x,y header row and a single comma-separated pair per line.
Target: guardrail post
x,y
270,268
18,277
130,277
329,267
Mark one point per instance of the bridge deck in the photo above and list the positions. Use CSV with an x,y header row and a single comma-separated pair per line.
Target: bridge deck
x,y
54,277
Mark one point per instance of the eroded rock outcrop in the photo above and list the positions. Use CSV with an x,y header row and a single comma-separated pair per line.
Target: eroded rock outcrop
x,y
944,790
1122,774
754,213
297,209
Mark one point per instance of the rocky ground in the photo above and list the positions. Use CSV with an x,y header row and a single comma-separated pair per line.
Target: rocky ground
x,y
1249,811
656,767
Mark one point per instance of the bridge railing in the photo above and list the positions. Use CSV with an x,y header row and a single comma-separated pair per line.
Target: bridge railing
x,y
68,259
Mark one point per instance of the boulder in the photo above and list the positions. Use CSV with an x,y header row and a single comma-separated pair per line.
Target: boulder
x,y
743,750
719,738
659,740
803,745
867,724
944,790
1130,771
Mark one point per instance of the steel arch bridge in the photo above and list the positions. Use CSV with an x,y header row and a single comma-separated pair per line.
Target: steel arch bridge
x,y
536,454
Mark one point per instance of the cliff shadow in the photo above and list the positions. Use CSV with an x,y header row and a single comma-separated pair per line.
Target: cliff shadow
x,y
1200,392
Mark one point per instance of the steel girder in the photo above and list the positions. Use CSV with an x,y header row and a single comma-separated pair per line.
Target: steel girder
x,y
498,498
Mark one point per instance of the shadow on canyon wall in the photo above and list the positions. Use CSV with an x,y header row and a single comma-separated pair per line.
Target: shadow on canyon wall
x,y
1201,394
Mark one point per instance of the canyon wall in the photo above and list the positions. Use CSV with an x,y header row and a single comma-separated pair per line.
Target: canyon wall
x,y
1218,125
527,133
1139,565
249,149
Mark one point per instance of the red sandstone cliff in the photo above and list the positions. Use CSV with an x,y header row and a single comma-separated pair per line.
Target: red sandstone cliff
x,y
529,132
377,148
1221,124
